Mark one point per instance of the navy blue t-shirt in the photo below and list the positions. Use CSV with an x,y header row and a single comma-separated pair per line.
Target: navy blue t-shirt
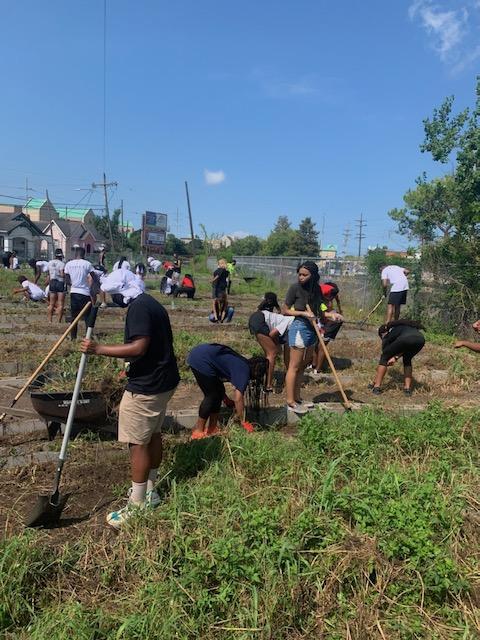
x,y
219,361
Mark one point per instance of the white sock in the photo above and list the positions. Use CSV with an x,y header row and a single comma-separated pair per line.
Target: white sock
x,y
139,490
152,479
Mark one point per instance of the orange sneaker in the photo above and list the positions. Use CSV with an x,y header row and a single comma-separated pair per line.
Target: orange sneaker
x,y
248,426
198,435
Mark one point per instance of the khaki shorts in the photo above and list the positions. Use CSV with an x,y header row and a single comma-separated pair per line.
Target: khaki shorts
x,y
140,416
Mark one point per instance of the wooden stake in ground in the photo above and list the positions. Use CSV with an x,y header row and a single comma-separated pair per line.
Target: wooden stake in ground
x,y
346,402
47,357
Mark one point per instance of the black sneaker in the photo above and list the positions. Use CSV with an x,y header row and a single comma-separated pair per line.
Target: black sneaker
x,y
376,391
407,392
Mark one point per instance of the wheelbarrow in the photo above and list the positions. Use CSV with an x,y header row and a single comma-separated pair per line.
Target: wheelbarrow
x,y
53,408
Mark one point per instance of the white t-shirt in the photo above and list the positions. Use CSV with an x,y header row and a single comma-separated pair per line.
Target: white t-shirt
x,y
14,262
42,265
36,293
396,276
55,269
277,321
155,265
79,270
125,265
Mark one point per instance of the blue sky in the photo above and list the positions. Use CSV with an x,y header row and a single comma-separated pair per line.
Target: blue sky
x,y
297,108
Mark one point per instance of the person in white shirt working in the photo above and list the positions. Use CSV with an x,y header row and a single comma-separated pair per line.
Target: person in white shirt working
x,y
39,267
80,275
56,286
397,277
30,290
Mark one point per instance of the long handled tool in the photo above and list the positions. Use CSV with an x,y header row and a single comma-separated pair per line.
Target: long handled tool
x,y
346,403
47,358
49,508
364,321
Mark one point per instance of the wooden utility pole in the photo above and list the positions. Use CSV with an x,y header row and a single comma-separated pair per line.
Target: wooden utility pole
x,y
106,184
123,230
190,218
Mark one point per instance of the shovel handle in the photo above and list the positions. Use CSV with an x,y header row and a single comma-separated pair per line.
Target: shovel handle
x,y
47,357
372,311
346,403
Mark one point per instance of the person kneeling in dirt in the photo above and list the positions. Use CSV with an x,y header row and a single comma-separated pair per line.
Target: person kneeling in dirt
x,y
221,310
271,332
400,338
152,379
186,287
473,346
212,364
30,290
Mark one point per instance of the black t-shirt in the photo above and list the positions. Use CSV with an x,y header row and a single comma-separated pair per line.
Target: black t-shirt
x,y
297,297
156,371
221,283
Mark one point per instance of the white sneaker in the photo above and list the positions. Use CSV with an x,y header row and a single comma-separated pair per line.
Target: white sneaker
x,y
297,408
118,518
152,498
104,305
306,403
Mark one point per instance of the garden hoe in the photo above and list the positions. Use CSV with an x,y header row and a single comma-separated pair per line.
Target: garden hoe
x,y
49,508
346,403
364,321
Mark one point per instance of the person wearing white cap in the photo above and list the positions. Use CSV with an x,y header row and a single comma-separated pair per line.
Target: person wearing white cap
x,y
152,379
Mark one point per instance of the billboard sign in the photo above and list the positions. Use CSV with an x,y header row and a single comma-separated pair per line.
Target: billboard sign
x,y
154,231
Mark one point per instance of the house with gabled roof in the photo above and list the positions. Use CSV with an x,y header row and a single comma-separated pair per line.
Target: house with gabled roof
x,y
18,233
40,209
68,234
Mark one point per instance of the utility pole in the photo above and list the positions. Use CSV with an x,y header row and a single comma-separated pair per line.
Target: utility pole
x,y
190,218
346,238
360,235
123,229
106,184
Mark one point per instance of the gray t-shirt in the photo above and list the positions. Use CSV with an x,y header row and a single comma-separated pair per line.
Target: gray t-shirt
x,y
56,270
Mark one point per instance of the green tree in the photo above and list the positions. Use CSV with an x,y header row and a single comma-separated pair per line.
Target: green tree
x,y
432,208
101,225
305,241
279,243
282,224
248,246
175,245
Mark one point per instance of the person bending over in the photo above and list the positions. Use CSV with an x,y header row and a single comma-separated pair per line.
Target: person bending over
x,y
39,267
30,290
473,346
302,301
271,332
212,365
333,321
269,302
152,379
400,338
397,277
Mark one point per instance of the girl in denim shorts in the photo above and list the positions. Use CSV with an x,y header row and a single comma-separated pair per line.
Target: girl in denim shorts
x,y
301,334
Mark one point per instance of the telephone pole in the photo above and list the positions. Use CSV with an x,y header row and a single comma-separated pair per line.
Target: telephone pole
x,y
106,184
190,218
123,229
346,238
360,235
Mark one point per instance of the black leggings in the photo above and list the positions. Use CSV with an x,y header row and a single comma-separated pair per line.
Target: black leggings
x,y
77,302
213,390
190,291
408,346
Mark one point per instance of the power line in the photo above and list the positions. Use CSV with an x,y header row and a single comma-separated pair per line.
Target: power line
x,y
360,235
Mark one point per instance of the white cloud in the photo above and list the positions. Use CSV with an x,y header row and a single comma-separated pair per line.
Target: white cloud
x,y
214,177
467,60
447,28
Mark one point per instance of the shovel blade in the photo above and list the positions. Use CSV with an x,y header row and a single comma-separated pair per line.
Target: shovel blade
x,y
47,511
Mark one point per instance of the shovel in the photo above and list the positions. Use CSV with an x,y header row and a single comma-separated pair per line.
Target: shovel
x,y
346,403
49,508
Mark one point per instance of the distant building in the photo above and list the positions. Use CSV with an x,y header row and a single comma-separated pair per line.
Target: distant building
x,y
18,233
76,214
67,233
40,210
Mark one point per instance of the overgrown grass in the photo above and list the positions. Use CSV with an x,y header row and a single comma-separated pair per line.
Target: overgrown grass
x,y
362,528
